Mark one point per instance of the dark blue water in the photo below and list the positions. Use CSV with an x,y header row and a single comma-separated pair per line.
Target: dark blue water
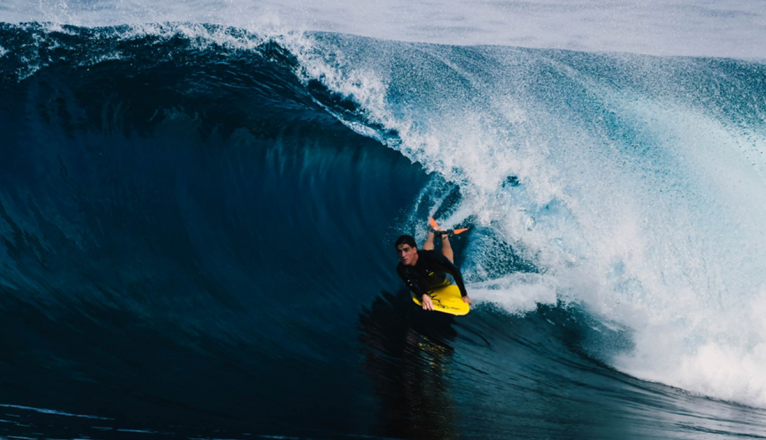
x,y
194,246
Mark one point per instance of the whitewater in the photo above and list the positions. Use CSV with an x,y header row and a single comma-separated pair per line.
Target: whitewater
x,y
197,205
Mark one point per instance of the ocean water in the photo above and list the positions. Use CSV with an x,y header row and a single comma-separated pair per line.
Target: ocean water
x,y
197,211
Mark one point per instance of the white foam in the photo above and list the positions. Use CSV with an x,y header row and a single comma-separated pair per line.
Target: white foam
x,y
657,227
518,293
721,355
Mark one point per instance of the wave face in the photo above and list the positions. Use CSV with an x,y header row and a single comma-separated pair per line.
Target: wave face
x,y
197,224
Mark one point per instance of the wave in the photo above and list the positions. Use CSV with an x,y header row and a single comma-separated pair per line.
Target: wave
x,y
611,174
201,218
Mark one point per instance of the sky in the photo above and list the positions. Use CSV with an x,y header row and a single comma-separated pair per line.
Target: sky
x,y
734,28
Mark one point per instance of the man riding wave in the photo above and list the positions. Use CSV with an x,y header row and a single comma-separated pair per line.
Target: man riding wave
x,y
425,271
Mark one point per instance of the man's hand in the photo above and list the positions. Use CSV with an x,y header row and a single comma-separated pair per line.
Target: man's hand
x,y
467,300
427,303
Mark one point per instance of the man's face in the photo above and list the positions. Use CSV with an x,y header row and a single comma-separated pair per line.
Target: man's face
x,y
407,254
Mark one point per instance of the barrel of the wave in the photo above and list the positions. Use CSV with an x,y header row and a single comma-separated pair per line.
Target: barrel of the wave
x,y
446,298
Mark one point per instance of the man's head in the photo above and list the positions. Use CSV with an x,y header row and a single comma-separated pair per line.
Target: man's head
x,y
407,250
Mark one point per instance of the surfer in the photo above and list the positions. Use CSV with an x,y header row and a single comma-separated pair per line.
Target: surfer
x,y
425,270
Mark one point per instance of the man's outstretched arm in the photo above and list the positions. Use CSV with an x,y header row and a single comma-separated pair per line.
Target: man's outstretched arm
x,y
451,269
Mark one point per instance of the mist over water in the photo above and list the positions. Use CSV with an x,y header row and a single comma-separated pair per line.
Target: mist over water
x,y
678,27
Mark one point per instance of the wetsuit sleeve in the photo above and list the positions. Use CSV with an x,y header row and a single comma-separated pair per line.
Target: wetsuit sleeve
x,y
411,284
447,266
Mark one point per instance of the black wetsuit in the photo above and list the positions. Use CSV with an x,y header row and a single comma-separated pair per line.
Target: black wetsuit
x,y
429,273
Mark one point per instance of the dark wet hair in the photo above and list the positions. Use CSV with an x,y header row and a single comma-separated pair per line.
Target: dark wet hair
x,y
405,239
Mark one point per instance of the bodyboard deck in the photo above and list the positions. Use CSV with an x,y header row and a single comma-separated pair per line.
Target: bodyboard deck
x,y
446,300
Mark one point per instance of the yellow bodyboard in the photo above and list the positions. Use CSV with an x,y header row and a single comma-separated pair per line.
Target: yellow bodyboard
x,y
446,300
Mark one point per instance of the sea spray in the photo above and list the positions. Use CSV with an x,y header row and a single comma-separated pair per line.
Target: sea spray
x,y
640,192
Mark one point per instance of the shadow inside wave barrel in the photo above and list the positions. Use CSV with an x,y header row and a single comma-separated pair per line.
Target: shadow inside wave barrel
x,y
181,231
